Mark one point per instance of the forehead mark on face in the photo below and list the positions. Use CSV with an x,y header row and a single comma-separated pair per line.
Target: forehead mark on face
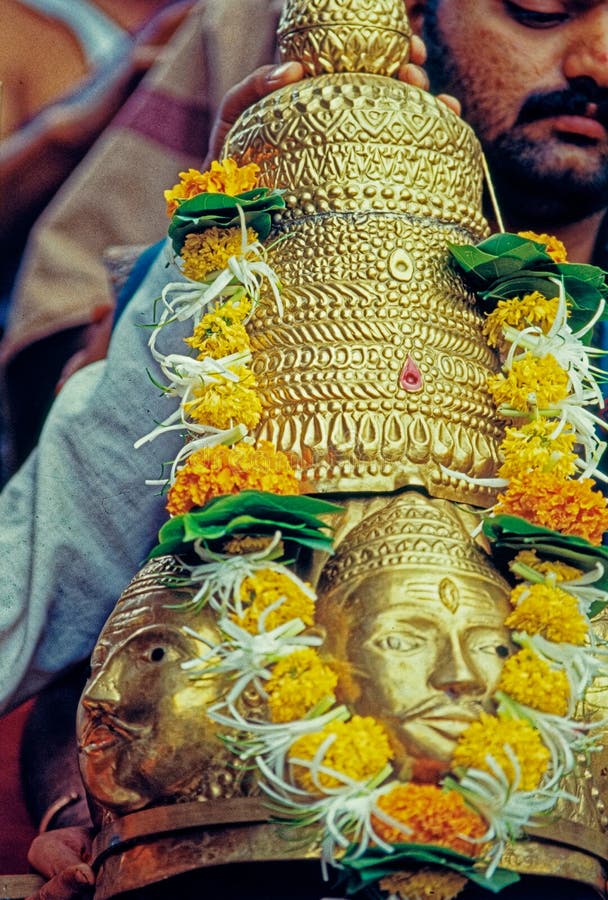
x,y
449,595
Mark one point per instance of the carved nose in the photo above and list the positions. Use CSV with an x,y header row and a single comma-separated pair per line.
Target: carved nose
x,y
454,674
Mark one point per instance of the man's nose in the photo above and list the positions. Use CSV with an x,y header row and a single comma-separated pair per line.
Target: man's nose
x,y
586,55
454,672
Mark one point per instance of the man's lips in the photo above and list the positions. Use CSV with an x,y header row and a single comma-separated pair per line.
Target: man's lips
x,y
581,126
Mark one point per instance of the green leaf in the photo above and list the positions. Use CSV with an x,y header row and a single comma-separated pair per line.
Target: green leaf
x,y
376,863
297,517
506,265
515,534
204,211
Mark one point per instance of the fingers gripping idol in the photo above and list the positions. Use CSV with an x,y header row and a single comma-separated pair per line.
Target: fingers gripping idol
x,y
366,656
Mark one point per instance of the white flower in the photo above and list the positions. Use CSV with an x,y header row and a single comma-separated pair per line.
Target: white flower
x,y
246,656
268,740
506,809
345,812
581,663
564,345
220,576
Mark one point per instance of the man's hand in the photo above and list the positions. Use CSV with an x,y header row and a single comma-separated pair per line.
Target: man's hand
x,y
62,856
267,79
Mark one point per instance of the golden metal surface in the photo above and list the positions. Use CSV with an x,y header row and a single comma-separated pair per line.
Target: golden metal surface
x,y
374,377
143,734
372,380
345,35
416,613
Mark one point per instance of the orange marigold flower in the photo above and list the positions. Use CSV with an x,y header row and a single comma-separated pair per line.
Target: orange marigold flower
x,y
360,750
213,471
225,177
568,506
434,816
553,245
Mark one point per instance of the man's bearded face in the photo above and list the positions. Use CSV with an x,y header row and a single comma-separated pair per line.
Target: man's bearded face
x,y
532,77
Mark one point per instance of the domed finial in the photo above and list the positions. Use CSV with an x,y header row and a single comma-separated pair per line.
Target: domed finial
x,y
328,36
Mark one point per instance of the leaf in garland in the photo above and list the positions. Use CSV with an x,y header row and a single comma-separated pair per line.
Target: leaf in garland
x,y
204,211
251,512
375,864
506,265
496,258
514,533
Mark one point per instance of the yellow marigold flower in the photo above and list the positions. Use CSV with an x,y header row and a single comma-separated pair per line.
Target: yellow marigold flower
x,y
221,331
225,403
531,681
435,816
520,313
567,506
263,589
298,682
553,245
542,376
560,570
490,735
213,471
360,750
222,178
548,611
531,448
210,250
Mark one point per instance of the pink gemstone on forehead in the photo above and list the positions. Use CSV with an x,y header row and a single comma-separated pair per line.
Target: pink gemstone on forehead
x,y
411,376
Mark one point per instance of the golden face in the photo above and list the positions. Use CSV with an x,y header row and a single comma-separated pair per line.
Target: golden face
x,y
426,648
142,729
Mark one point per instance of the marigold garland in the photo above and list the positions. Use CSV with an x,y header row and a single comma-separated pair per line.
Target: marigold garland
x,y
227,470
211,250
487,739
534,447
225,177
571,507
270,619
531,383
554,247
297,684
431,815
266,589
549,611
222,331
531,681
225,402
556,568
531,309
358,749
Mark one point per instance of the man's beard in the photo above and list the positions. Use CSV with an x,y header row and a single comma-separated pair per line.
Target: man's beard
x,y
530,188
529,191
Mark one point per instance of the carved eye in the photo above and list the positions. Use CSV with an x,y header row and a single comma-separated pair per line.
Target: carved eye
x,y
400,642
